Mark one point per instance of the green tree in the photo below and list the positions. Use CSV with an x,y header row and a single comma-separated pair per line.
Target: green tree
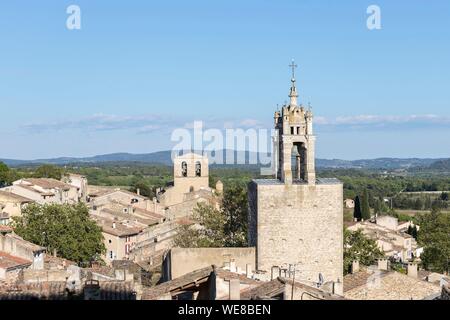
x,y
144,189
4,175
418,204
434,236
377,206
414,232
365,208
235,210
66,228
444,196
187,237
226,227
207,233
357,210
48,171
359,247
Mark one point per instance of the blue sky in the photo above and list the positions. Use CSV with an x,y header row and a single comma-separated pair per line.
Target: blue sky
x,y
139,69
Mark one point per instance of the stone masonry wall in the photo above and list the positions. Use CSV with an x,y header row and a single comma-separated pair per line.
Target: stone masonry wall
x,y
298,224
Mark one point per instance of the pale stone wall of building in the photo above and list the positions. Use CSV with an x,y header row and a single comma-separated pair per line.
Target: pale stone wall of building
x,y
117,245
298,224
11,208
185,260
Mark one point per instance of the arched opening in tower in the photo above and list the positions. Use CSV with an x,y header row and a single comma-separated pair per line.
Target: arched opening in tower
x,y
298,162
198,169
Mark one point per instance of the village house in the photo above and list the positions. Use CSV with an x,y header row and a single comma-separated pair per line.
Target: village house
x,y
80,182
349,203
44,191
120,237
11,205
17,254
98,197
396,244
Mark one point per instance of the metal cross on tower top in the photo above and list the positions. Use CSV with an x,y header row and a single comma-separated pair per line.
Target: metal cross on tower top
x,y
293,66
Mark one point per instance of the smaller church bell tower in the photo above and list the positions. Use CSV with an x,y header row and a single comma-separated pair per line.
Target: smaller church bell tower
x,y
294,142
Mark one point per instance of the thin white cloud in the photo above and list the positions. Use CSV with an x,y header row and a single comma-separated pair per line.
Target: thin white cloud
x,y
147,124
141,124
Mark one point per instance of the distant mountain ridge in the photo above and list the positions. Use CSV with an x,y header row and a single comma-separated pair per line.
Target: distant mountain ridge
x,y
164,157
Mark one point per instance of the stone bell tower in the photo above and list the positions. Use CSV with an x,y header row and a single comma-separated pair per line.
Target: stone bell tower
x,y
294,141
296,219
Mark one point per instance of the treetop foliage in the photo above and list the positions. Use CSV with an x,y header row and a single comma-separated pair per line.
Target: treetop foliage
x,y
66,228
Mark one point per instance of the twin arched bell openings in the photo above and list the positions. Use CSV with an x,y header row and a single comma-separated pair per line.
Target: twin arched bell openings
x,y
198,169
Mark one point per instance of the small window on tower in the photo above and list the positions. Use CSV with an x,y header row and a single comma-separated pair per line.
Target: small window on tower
x,y
198,169
184,169
292,130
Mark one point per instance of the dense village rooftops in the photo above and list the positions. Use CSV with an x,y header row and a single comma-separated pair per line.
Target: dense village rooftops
x,y
12,197
42,291
319,181
10,262
57,290
387,285
381,232
277,287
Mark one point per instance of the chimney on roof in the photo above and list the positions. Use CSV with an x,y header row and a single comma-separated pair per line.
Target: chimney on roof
x,y
412,270
114,225
138,191
355,266
235,289
383,264
233,265
338,287
248,270
275,272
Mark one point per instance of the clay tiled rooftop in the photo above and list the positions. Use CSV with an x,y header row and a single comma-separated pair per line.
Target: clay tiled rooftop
x,y
48,183
8,261
376,285
11,197
264,290
36,291
115,227
42,193
25,244
140,218
5,229
193,278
